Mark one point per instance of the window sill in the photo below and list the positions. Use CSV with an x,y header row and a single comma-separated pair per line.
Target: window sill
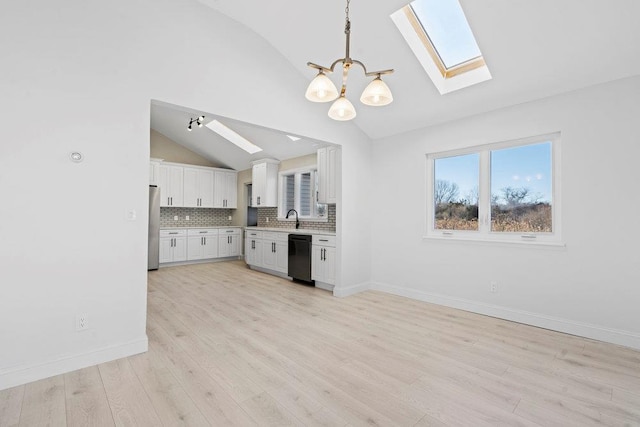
x,y
499,242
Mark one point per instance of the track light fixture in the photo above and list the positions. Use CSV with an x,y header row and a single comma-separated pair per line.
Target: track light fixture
x,y
197,121
322,89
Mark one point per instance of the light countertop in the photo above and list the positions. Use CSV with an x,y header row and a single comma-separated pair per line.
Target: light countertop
x,y
194,227
293,230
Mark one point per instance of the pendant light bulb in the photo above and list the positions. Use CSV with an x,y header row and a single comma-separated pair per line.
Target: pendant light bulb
x,y
321,89
342,110
189,128
377,93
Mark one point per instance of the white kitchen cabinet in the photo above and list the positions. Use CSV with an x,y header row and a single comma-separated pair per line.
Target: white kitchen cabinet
x,y
253,248
173,246
328,174
275,251
264,183
198,187
202,243
229,242
154,172
323,261
171,182
225,193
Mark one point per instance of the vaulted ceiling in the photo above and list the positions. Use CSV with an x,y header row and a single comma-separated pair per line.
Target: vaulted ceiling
x,y
534,49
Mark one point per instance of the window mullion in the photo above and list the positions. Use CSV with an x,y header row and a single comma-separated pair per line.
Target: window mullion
x,y
484,198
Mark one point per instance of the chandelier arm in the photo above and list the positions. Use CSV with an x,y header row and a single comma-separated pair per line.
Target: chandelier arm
x,y
320,67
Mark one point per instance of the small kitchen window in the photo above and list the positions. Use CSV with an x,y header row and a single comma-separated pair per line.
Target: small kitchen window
x,y
508,192
298,189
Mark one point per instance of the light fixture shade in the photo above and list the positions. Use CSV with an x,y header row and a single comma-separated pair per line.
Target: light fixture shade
x,y
376,94
321,89
342,110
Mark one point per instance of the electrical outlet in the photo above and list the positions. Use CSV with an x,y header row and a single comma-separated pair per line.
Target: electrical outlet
x,y
82,322
493,286
175,218
186,218
267,219
229,217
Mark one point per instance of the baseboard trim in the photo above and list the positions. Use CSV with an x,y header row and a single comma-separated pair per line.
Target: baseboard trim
x,y
342,292
610,335
25,374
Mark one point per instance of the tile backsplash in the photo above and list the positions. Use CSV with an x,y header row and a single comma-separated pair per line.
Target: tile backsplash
x,y
272,214
198,217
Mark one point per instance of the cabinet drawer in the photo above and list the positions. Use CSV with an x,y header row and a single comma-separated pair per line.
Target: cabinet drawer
x,y
202,231
172,233
321,240
253,234
275,236
229,231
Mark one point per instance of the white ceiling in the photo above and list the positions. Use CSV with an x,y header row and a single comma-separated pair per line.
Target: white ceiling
x,y
534,49
172,121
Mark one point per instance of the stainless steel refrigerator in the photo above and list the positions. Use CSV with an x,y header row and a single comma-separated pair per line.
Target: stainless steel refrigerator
x,y
154,227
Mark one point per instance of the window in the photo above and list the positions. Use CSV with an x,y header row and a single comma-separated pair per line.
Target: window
x,y
439,35
298,190
507,192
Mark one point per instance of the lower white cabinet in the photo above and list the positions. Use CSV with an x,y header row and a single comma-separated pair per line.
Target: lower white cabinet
x,y
323,261
275,251
229,242
173,245
267,249
194,244
253,247
202,243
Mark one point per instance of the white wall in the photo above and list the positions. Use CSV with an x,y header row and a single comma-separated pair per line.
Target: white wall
x,y
80,75
590,287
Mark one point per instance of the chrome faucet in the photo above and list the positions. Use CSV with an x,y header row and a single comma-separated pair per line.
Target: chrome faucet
x,y
296,212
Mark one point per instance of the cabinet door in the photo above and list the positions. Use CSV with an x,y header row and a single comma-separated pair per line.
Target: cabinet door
x,y
171,182
282,257
321,197
223,246
210,247
259,184
317,263
234,245
166,249
205,184
179,249
154,173
195,247
332,174
232,190
330,265
253,252
269,256
222,193
191,187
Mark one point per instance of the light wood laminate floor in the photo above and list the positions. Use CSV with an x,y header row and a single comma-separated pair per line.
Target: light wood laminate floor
x,y
230,346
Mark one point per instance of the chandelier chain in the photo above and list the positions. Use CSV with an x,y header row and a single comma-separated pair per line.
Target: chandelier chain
x,y
347,23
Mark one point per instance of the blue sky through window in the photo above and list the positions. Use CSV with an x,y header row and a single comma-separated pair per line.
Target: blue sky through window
x,y
447,27
527,166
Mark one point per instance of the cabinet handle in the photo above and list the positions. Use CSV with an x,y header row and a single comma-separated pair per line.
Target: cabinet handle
x,y
323,240
205,240
258,200
173,232
229,231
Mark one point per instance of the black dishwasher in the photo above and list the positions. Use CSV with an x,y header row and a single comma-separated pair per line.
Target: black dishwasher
x,y
300,257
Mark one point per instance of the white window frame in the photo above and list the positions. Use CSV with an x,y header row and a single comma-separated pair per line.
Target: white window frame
x,y
281,194
484,233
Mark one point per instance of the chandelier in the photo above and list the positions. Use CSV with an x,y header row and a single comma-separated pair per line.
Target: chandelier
x,y
322,89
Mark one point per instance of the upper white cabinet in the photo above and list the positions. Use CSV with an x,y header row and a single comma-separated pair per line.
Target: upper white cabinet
x,y
328,174
171,182
225,193
154,172
198,188
265,183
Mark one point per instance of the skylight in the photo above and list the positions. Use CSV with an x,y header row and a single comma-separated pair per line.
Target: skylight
x,y
447,27
233,137
440,36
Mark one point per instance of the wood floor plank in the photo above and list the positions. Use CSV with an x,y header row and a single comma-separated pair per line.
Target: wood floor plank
x,y
11,406
86,400
269,412
129,403
44,403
